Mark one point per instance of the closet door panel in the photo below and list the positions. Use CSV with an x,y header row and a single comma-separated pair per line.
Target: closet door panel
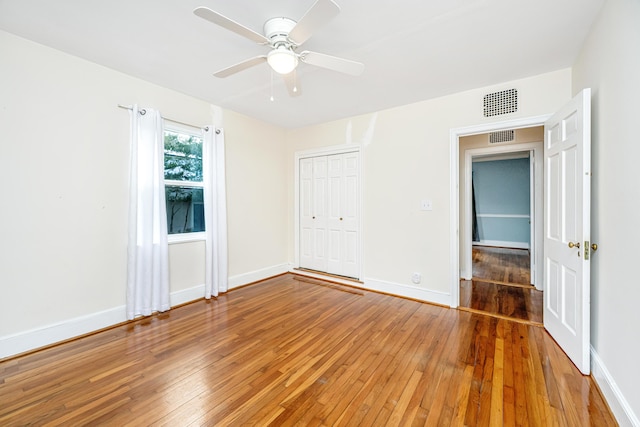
x,y
320,210
306,244
334,219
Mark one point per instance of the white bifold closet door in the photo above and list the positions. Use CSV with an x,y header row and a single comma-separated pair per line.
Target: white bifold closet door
x,y
329,226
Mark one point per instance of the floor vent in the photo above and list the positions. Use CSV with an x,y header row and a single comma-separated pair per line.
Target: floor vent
x,y
502,136
503,102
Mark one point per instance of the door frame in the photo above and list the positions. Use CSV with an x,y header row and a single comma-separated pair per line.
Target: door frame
x,y
327,151
535,211
454,188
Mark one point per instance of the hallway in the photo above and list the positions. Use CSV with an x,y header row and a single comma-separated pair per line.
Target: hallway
x,y
501,286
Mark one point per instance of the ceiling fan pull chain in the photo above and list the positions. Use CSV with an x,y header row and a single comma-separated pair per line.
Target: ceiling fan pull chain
x,y
271,98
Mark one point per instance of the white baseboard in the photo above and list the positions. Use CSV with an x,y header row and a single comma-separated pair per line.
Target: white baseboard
x,y
408,291
21,342
254,276
502,244
186,295
11,345
614,397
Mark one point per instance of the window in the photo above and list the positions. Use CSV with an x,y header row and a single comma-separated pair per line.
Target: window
x,y
183,183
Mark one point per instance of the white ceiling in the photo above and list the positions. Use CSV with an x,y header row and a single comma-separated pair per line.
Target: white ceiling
x,y
412,49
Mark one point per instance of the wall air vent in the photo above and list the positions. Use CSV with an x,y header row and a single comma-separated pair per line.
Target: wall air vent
x,y
501,136
503,102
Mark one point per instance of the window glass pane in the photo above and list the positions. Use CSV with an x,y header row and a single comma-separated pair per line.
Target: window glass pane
x,y
185,209
182,156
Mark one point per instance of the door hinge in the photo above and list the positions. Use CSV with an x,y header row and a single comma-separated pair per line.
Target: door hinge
x,y
586,250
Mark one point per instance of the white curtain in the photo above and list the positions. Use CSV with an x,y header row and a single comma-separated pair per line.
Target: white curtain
x,y
148,251
215,212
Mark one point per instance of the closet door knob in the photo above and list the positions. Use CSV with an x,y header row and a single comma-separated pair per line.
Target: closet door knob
x,y
574,245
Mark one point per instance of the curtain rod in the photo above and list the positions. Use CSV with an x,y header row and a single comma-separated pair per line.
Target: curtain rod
x,y
142,111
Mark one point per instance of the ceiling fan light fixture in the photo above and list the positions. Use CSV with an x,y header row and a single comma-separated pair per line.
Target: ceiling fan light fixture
x,y
282,60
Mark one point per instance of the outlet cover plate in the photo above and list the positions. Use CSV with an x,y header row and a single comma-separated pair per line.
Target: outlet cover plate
x,y
425,205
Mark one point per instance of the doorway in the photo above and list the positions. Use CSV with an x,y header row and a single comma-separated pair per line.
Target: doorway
x,y
500,240
515,295
567,168
476,146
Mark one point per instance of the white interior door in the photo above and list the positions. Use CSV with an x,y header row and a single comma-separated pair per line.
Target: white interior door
x,y
567,228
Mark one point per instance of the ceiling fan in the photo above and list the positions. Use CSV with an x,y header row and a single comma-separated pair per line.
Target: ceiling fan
x,y
284,36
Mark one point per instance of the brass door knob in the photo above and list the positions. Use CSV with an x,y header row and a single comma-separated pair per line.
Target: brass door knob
x,y
340,218
594,247
574,245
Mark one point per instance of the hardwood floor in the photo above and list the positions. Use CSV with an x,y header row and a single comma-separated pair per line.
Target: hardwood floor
x,y
298,351
515,302
501,286
501,265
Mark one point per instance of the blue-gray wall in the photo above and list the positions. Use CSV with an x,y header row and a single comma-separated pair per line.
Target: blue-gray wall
x,y
502,187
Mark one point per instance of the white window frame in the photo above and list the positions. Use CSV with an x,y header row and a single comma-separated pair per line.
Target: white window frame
x,y
193,131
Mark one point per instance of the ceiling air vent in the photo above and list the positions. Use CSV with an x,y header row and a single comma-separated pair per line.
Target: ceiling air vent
x,y
503,102
501,136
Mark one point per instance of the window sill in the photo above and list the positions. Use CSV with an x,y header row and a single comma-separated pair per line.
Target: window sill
x,y
186,237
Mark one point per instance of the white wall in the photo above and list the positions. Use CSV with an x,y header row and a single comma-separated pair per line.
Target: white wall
x,y
65,160
406,159
610,65
257,193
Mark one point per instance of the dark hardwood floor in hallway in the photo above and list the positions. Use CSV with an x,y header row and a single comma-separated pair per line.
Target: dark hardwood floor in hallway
x,y
298,351
501,265
501,285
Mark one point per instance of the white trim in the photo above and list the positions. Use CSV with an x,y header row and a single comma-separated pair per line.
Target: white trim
x,y
454,205
11,345
331,278
502,216
407,291
327,151
612,394
257,275
198,236
502,244
187,295
397,289
535,148
454,223
186,184
504,156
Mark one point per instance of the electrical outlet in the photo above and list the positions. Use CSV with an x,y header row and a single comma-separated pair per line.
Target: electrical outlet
x,y
416,278
425,205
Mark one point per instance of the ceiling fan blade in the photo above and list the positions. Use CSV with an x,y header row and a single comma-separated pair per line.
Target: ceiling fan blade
x,y
229,24
292,83
320,13
226,72
334,63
